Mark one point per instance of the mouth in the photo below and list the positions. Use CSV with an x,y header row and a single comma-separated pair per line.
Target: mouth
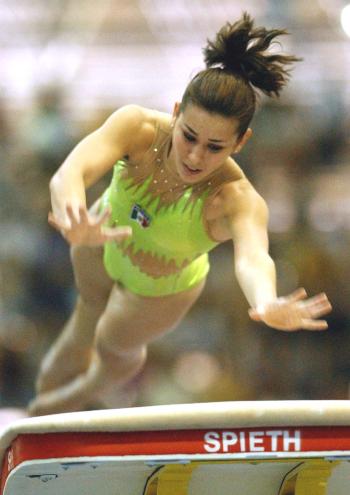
x,y
191,170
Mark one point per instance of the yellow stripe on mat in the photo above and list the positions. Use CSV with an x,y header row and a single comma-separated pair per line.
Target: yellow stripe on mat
x,y
172,479
309,478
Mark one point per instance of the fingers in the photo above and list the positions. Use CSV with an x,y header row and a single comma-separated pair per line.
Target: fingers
x,y
311,309
297,295
293,312
103,217
81,228
314,308
74,215
83,215
320,310
319,298
309,324
317,306
57,223
117,234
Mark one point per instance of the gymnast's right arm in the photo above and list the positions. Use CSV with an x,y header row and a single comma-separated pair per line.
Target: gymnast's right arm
x,y
125,132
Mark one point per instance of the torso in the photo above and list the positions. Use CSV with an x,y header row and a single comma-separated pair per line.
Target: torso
x,y
218,204
186,220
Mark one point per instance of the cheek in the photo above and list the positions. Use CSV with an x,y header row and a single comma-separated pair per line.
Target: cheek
x,y
215,160
178,143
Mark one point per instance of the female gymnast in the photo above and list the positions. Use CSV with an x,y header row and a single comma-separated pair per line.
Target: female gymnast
x,y
140,254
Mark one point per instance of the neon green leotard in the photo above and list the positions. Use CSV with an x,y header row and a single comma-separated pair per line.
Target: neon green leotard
x,y
167,252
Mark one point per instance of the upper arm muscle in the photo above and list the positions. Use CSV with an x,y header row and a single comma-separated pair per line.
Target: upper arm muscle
x,y
249,222
123,132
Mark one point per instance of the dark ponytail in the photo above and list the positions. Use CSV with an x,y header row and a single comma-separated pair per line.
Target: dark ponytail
x,y
237,64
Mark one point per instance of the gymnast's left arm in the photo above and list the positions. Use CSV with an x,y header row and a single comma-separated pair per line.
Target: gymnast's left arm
x,y
256,273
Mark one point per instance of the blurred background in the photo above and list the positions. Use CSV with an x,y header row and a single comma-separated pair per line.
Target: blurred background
x,y
65,65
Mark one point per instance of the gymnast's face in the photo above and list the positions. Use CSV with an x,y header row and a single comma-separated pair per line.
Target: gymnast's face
x,y
202,142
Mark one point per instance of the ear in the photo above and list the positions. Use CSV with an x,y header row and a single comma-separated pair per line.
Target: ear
x,y
176,110
241,142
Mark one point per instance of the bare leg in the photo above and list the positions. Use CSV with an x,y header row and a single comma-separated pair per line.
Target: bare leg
x,y
127,325
74,345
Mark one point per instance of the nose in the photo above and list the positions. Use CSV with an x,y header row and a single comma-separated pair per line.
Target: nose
x,y
196,155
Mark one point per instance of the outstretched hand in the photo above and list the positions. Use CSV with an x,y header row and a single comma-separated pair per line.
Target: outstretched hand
x,y
83,228
294,312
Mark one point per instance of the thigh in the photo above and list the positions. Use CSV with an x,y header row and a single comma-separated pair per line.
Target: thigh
x,y
131,321
91,279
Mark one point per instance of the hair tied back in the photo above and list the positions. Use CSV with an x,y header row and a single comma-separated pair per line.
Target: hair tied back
x,y
241,49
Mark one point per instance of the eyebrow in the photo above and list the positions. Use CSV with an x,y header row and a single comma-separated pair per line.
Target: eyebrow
x,y
196,134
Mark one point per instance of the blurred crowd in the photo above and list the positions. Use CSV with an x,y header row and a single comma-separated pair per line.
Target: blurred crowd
x,y
298,159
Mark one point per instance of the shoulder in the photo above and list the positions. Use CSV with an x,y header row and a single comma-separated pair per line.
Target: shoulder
x,y
129,118
134,125
240,198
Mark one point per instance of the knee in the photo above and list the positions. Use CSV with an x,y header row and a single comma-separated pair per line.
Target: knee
x,y
109,342
116,358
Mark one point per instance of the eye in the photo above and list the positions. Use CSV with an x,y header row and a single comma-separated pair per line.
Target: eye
x,y
214,148
189,137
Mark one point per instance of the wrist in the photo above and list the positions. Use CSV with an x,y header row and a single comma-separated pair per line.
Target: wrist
x,y
261,306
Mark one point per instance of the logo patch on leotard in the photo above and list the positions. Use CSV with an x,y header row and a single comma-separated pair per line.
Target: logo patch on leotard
x,y
140,216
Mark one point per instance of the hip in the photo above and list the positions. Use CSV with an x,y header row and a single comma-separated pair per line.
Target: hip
x,y
121,269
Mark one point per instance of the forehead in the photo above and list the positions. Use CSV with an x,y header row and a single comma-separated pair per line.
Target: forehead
x,y
208,124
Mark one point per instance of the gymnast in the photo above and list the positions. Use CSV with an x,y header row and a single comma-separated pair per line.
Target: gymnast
x,y
140,254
